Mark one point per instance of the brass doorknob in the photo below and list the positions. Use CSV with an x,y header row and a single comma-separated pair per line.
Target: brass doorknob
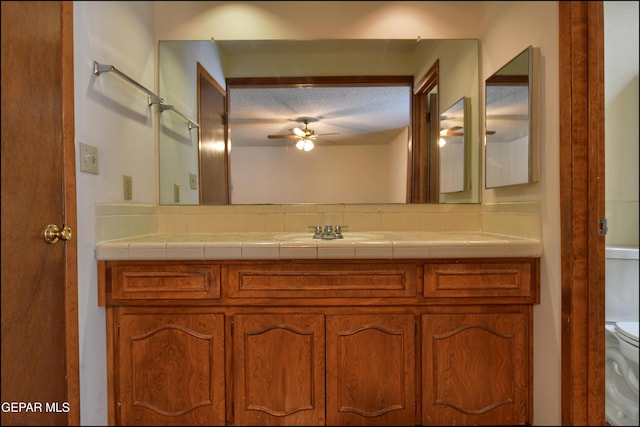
x,y
52,233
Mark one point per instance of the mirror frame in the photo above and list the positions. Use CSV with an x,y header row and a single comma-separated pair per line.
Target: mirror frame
x,y
515,80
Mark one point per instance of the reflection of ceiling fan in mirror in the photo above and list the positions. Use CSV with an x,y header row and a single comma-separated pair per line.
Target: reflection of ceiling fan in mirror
x,y
305,136
452,131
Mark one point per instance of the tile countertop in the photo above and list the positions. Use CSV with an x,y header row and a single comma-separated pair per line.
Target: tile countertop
x,y
284,245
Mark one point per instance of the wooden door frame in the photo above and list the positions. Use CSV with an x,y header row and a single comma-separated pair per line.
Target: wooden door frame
x,y
581,81
70,214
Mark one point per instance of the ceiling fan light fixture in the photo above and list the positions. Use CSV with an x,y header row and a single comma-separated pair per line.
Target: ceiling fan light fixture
x,y
308,145
304,144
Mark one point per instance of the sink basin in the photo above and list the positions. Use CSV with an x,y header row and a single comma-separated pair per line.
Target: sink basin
x,y
347,237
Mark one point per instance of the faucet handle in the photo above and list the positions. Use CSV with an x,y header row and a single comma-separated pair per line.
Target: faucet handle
x,y
317,231
338,230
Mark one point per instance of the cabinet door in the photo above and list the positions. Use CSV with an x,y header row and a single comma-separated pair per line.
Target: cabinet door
x,y
371,369
476,369
170,368
278,365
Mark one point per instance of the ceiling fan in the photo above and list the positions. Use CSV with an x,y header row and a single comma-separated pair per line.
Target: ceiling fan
x,y
304,136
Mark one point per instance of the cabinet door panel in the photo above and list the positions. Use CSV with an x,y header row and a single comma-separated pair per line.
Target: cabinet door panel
x,y
171,369
371,369
279,369
475,369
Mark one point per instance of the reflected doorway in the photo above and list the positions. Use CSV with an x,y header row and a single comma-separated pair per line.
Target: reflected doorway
x,y
213,160
424,158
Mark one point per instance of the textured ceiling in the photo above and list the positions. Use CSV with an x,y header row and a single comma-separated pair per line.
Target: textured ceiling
x,y
345,115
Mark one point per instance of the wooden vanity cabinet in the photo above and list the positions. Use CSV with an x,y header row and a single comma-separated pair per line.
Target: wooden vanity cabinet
x,y
308,342
477,341
165,354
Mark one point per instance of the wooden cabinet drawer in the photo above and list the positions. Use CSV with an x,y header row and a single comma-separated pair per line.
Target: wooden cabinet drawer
x,y
481,279
158,281
321,280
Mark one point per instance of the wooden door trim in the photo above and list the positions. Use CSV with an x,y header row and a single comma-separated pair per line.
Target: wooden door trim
x,y
206,196
581,81
423,179
70,217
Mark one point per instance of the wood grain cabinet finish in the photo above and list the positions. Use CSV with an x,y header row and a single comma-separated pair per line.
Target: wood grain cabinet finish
x,y
279,369
371,369
320,342
476,367
169,367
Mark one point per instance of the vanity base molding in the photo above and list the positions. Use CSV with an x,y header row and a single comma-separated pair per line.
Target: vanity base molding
x,y
309,342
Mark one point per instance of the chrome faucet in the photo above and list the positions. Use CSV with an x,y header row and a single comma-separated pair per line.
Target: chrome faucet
x,y
338,231
329,232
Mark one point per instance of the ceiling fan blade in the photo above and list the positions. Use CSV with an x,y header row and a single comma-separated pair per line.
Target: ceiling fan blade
x,y
453,134
283,136
299,132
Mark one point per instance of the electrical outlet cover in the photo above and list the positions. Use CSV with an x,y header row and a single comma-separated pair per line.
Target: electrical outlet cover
x,y
176,193
127,183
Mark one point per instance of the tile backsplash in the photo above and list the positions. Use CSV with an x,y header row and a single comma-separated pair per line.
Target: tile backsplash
x,y
115,221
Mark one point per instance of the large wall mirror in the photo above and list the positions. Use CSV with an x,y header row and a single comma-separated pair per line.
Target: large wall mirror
x,y
362,133
511,146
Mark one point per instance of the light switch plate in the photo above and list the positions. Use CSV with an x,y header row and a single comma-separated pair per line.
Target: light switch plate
x,y
88,158
193,181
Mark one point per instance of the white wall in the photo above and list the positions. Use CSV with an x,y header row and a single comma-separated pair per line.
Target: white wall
x,y
397,174
113,116
330,175
509,28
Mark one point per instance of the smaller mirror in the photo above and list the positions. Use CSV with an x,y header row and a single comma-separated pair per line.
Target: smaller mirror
x,y
511,144
453,145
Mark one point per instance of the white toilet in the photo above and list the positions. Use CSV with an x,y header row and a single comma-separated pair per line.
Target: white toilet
x,y
621,329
